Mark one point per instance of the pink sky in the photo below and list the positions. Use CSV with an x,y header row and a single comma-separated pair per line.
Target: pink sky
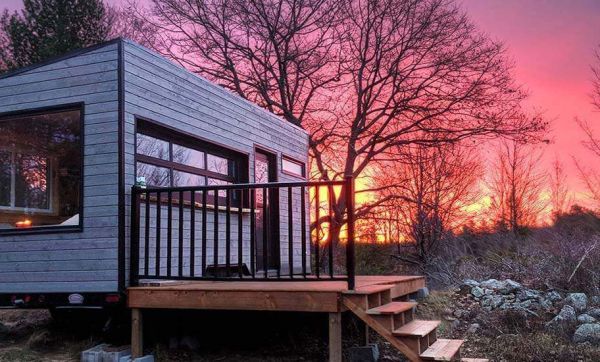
x,y
552,44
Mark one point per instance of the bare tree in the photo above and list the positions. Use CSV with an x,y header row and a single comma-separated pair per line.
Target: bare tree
x,y
428,192
516,187
131,21
588,176
560,198
364,78
596,81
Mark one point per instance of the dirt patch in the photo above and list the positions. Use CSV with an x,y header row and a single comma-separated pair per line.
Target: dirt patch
x,y
32,335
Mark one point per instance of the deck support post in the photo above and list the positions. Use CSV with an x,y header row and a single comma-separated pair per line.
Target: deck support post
x,y
335,337
137,339
365,338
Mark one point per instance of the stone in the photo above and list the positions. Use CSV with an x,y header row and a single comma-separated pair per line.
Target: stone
x,y
527,294
477,292
577,301
595,300
526,304
594,312
491,302
509,286
553,296
589,332
473,328
565,317
369,353
471,283
546,304
422,293
491,284
585,318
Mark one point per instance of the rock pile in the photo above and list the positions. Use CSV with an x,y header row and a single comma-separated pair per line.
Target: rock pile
x,y
576,309
508,294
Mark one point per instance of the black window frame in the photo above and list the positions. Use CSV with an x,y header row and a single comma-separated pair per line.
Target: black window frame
x,y
51,229
238,161
293,160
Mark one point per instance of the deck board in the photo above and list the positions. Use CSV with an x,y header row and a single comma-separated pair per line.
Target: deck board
x,y
308,296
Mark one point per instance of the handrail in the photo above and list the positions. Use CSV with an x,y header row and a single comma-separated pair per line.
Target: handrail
x,y
233,237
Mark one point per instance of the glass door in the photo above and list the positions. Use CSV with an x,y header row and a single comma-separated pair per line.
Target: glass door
x,y
266,216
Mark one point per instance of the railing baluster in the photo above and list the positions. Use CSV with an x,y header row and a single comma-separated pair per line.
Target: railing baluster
x,y
240,234
227,231
192,232
350,265
329,235
169,231
204,233
180,263
252,193
318,231
265,231
134,267
303,228
290,233
147,235
158,216
216,233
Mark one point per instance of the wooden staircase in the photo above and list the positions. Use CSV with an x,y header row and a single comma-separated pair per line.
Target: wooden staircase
x,y
385,310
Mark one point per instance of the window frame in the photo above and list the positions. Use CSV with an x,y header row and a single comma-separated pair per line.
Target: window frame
x,y
238,172
51,229
293,160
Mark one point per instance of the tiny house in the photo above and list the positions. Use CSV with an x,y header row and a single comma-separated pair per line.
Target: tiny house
x,y
124,176
78,133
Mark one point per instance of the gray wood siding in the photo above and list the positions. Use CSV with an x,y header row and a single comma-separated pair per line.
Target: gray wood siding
x,y
168,94
78,261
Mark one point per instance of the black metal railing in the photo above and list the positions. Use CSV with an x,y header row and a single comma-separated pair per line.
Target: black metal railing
x,y
240,231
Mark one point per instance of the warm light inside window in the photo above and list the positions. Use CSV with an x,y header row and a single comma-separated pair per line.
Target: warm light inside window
x,y
23,223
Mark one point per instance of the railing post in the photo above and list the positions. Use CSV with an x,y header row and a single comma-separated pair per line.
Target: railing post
x,y
350,266
134,246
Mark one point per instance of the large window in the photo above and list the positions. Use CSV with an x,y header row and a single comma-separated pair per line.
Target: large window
x,y
166,158
40,170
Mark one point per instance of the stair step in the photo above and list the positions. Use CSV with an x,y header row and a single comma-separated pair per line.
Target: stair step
x,y
370,289
392,308
474,360
442,350
418,328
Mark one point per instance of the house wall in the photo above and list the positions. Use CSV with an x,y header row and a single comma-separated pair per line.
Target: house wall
x,y
159,90
75,261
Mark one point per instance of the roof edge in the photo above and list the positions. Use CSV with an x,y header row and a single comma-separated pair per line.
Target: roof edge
x,y
59,58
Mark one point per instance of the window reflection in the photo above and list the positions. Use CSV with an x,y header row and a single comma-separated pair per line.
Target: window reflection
x,y
181,178
217,164
153,147
40,170
154,175
188,156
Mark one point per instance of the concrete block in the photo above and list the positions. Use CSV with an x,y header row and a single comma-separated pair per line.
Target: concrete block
x,y
146,358
93,354
368,353
115,354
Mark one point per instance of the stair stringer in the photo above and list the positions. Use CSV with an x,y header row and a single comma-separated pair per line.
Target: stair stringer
x,y
382,330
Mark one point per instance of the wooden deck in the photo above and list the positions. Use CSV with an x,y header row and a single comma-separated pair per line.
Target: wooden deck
x,y
295,296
